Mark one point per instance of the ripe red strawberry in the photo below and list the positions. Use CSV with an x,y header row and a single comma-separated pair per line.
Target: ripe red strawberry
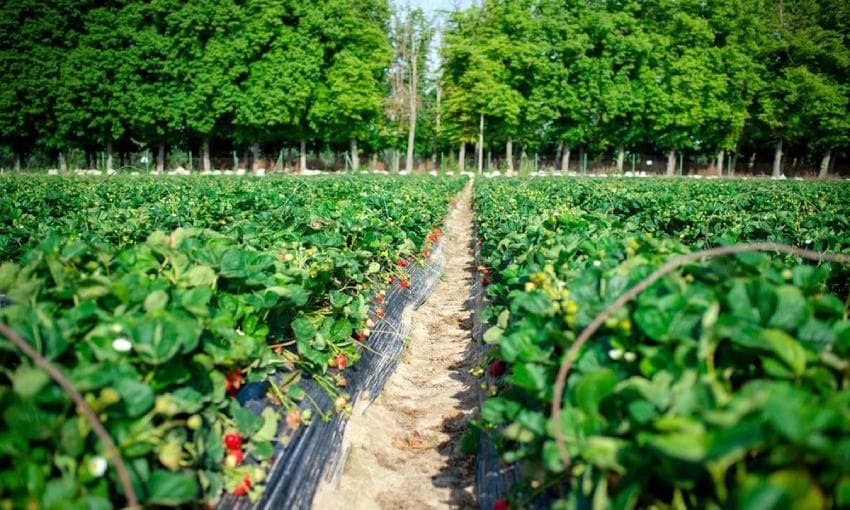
x,y
405,284
380,313
341,361
243,487
233,440
379,299
234,457
425,252
402,262
497,368
360,336
233,381
501,504
485,281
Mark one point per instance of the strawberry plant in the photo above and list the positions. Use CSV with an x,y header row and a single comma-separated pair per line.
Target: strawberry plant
x,y
725,384
162,299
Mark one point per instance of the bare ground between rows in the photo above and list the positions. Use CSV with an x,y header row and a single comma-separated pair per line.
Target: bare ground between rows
x,y
403,450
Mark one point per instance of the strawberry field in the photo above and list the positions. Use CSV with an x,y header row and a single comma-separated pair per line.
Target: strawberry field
x,y
725,384
160,300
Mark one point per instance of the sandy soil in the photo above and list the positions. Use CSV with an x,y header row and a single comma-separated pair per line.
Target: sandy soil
x,y
403,451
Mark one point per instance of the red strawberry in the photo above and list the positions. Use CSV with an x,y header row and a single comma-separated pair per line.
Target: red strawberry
x,y
501,504
405,284
402,262
233,440
243,487
380,313
379,299
497,368
341,361
485,281
233,381
234,457
360,336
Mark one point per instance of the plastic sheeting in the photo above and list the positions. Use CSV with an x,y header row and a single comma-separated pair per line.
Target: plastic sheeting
x,y
493,478
298,465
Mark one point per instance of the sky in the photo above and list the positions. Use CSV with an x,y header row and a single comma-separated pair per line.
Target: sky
x,y
431,6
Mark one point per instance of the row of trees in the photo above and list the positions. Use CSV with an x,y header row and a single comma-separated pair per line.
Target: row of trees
x,y
546,76
94,74
672,75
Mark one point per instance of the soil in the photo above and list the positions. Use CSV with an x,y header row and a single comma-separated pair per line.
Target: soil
x,y
403,450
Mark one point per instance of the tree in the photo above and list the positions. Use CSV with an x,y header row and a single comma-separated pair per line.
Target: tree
x,y
357,53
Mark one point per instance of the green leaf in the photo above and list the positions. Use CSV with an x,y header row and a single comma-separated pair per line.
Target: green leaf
x,y
156,300
786,348
28,380
171,489
493,335
137,396
593,387
199,275
791,309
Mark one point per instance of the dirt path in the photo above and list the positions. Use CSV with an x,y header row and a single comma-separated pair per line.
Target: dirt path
x,y
404,451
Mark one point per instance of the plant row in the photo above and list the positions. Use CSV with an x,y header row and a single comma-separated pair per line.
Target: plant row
x,y
160,299
724,384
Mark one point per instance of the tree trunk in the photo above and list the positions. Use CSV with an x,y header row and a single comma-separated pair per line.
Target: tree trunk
x,y
461,157
396,160
824,165
413,97
720,156
509,154
565,159
581,159
355,156
302,156
481,143
63,162
205,155
255,157
832,164
160,157
109,156
777,159
374,164
621,157
671,163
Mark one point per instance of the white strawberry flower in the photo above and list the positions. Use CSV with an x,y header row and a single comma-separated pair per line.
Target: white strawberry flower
x,y
597,263
630,356
122,344
97,466
615,354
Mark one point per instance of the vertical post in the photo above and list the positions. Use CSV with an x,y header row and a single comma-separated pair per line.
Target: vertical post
x,y
584,162
681,159
634,161
489,161
190,160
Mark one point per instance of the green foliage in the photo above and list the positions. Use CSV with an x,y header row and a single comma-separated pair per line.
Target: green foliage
x,y
150,295
722,385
